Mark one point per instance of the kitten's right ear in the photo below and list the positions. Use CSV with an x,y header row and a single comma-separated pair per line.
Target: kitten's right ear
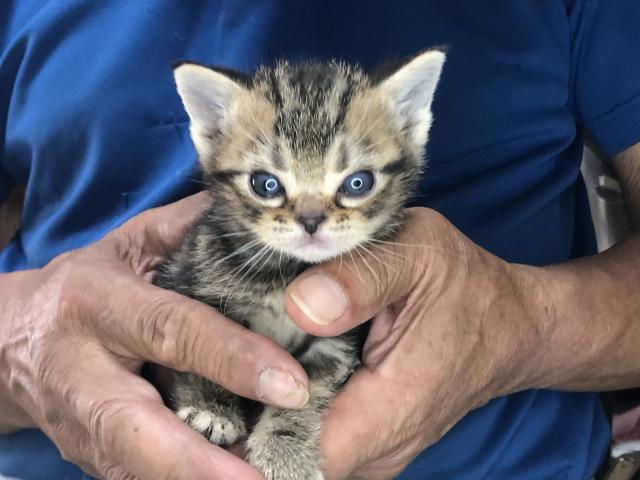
x,y
209,97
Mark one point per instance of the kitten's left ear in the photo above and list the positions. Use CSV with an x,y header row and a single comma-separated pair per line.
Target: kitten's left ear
x,y
409,93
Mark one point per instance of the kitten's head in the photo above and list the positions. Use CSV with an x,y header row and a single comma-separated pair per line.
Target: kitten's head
x,y
311,159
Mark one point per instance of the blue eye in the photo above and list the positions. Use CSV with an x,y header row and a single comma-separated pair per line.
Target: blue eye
x,y
266,185
357,184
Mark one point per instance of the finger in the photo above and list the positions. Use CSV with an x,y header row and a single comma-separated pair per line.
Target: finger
x,y
335,297
132,429
160,230
151,442
186,335
170,223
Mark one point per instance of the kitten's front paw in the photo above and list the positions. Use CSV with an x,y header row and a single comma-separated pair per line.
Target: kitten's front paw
x,y
293,471
219,429
284,458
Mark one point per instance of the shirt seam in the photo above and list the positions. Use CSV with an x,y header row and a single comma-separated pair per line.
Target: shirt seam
x,y
611,115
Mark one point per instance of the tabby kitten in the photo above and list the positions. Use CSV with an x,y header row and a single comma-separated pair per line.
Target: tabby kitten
x,y
304,162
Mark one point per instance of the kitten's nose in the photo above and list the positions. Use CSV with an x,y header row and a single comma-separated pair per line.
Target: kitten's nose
x,y
311,222
310,211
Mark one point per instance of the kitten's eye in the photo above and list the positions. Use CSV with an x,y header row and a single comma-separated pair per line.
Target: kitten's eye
x,y
266,185
357,184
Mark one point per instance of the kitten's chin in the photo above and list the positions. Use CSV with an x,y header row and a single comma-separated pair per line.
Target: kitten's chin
x,y
313,249
314,253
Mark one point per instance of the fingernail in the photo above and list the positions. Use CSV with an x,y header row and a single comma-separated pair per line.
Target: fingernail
x,y
320,298
279,387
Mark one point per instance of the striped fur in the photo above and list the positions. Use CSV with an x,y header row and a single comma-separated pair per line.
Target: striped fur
x,y
311,125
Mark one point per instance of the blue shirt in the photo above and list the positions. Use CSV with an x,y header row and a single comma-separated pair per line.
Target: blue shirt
x,y
91,123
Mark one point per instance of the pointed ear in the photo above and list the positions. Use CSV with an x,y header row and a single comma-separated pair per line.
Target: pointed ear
x,y
209,97
409,92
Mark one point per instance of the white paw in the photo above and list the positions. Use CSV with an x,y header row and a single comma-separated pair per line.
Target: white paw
x,y
288,473
283,458
218,429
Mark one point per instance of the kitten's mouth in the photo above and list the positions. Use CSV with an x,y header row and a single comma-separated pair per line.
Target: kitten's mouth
x,y
313,243
312,240
311,248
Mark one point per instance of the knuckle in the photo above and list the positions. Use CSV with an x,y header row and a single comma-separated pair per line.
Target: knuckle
x,y
116,472
68,291
70,304
123,246
62,259
224,359
68,454
106,418
76,451
89,469
177,341
129,247
163,332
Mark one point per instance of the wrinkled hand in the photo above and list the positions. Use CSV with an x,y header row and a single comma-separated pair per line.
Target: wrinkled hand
x,y
74,335
449,324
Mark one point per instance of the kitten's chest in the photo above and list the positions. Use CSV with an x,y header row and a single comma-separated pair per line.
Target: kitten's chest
x,y
268,317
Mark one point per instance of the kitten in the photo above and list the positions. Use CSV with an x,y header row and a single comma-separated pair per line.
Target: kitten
x,y
304,162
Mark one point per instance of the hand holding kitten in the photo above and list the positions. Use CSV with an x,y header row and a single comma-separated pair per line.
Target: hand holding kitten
x,y
450,332
75,334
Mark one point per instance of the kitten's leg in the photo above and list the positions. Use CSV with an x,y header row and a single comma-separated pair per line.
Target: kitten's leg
x,y
284,444
209,409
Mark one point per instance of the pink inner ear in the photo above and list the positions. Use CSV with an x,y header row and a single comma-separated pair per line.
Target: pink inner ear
x,y
207,96
410,90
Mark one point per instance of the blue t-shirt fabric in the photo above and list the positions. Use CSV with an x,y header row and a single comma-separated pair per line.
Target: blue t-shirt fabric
x,y
90,122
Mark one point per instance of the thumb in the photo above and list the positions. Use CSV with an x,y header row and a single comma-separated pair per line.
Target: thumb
x,y
332,298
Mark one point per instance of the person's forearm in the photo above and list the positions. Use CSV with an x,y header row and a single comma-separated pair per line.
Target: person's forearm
x,y
586,315
586,312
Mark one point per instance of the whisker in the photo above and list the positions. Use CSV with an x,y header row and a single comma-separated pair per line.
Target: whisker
x,y
236,252
284,283
244,132
387,251
237,271
386,291
234,234
199,182
379,284
237,292
261,262
372,126
380,141
386,264
425,247
355,266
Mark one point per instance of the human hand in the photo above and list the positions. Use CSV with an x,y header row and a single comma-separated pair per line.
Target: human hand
x,y
74,335
449,329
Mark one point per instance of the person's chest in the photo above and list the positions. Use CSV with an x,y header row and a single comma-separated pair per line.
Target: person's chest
x,y
95,126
